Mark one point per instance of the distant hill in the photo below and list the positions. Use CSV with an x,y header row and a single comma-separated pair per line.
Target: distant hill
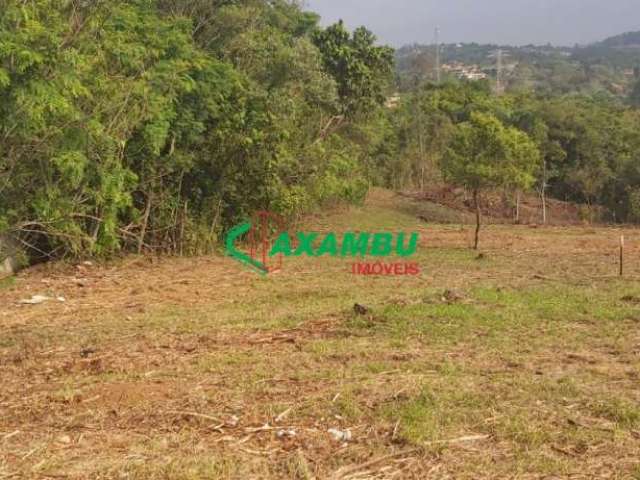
x,y
625,40
621,51
610,66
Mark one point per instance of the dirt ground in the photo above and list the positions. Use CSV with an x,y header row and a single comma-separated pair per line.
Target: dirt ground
x,y
522,362
500,207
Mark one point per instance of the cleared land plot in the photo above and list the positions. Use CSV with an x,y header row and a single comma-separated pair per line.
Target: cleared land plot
x,y
197,369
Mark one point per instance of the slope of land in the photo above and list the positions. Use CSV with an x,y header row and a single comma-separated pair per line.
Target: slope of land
x,y
456,206
197,369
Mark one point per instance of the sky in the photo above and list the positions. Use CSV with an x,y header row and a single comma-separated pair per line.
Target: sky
x,y
506,22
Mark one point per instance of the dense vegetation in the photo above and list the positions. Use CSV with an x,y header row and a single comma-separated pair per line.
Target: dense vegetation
x,y
154,125
585,149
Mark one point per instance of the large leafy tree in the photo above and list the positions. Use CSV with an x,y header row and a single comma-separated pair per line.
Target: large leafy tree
x,y
99,120
154,124
590,135
361,68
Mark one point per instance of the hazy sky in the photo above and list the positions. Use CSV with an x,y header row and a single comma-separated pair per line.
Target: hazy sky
x,y
517,22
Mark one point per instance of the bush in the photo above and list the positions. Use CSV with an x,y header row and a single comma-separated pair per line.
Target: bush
x,y
125,130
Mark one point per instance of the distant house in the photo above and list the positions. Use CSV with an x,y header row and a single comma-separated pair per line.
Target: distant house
x,y
465,72
476,76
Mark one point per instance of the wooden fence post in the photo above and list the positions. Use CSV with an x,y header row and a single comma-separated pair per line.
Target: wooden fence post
x,y
621,255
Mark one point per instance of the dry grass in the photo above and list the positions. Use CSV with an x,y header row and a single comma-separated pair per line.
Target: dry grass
x,y
196,369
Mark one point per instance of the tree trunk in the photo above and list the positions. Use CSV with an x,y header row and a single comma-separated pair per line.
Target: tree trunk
x,y
476,202
145,223
543,193
518,207
421,146
9,252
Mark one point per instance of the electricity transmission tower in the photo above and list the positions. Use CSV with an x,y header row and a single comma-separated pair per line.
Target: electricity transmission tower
x,y
499,86
438,67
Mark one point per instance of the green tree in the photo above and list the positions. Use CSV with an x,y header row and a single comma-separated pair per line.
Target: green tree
x,y
486,154
424,133
591,133
362,70
634,96
156,124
